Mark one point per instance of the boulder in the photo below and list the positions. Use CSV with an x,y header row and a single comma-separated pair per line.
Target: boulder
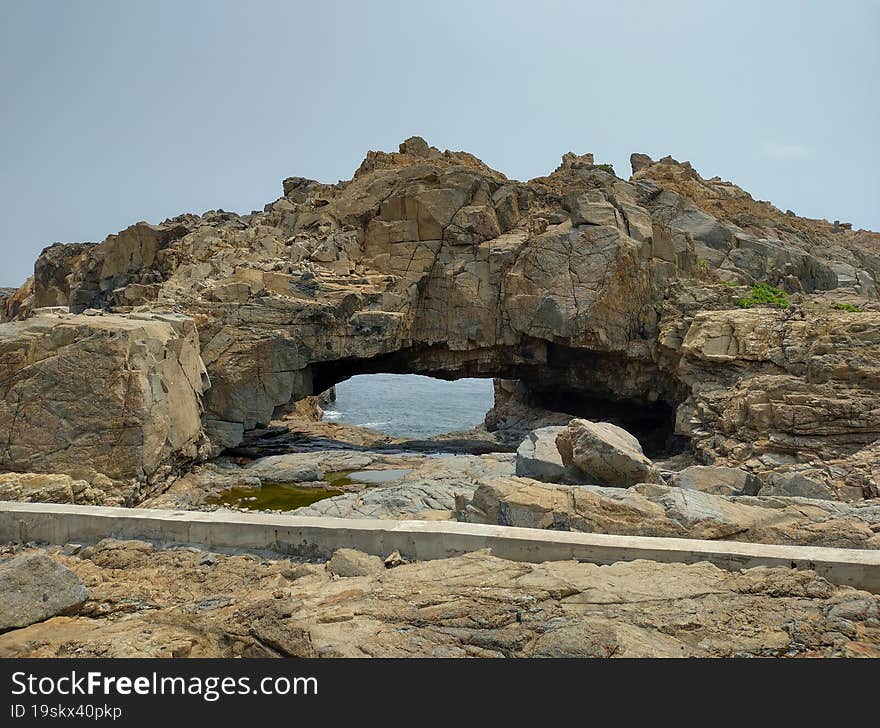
x,y
606,454
87,395
717,480
538,457
350,562
34,588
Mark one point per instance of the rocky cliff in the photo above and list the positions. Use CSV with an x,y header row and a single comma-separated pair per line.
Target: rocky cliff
x,y
756,331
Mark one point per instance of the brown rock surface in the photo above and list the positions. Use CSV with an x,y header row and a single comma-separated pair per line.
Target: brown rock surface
x,y
183,603
34,588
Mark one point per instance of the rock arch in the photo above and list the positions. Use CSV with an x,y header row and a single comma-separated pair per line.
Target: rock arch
x,y
578,282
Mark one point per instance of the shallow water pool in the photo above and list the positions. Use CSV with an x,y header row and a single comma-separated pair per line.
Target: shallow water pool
x,y
274,497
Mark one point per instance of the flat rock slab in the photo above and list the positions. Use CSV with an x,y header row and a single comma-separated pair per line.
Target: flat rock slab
x,y
33,588
718,480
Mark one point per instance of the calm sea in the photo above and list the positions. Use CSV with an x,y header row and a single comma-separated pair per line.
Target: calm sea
x,y
409,405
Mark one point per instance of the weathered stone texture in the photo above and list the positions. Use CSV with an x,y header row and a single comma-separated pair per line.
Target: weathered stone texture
x,y
111,395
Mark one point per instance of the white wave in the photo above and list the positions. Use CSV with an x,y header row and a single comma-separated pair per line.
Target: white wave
x,y
331,415
376,424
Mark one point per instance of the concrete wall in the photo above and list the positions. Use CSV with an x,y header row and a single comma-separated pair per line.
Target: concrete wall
x,y
422,540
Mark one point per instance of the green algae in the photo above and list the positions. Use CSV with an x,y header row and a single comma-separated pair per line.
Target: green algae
x,y
274,497
339,478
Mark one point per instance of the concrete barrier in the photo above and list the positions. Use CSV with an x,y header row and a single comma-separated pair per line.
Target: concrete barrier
x,y
422,540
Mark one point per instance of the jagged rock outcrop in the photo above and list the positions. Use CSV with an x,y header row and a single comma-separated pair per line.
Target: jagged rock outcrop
x,y
580,283
787,389
55,488
5,294
512,416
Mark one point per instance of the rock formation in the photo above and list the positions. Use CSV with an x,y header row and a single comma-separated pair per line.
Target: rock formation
x,y
648,509
538,457
601,292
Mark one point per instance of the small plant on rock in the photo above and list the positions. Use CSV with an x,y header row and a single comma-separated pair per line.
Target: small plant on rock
x,y
764,294
851,307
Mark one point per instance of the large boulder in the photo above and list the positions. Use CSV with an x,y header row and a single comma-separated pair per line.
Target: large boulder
x,y
717,480
111,395
33,588
538,457
606,454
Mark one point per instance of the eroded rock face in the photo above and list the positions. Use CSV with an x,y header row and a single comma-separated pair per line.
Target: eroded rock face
x,y
783,391
581,282
184,604
92,396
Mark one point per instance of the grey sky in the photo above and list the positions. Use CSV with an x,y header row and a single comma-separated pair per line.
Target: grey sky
x,y
119,111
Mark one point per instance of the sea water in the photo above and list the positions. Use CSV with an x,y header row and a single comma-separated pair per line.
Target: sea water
x,y
409,405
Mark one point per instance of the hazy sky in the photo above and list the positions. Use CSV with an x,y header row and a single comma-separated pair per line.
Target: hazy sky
x,y
124,110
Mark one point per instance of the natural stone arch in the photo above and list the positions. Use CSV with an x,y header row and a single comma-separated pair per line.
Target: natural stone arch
x,y
582,282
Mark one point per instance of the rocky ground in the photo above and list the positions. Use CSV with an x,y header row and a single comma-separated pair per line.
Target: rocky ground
x,y
128,599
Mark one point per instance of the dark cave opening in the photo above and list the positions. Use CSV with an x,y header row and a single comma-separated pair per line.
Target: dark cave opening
x,y
652,423
574,382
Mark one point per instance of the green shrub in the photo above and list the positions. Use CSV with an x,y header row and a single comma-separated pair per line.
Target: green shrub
x,y
764,293
851,307
606,168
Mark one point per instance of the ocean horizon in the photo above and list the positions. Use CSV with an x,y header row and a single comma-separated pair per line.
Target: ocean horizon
x,y
411,405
